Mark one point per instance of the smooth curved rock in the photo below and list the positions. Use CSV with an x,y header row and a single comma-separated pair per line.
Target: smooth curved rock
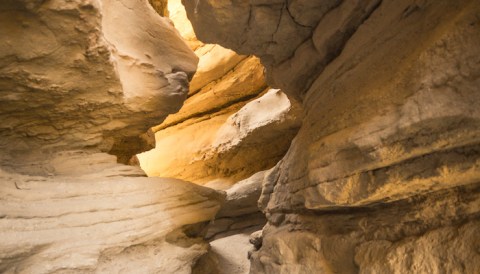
x,y
79,78
71,80
215,62
176,13
226,147
101,219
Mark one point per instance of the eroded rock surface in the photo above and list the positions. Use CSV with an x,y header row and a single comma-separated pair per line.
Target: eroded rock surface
x,y
239,214
70,79
109,218
386,163
230,127
227,255
295,39
78,79
225,147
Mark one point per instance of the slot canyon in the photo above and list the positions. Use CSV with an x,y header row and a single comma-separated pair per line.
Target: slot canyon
x,y
240,136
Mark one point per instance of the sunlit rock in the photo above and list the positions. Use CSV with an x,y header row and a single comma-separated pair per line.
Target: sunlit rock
x,y
227,147
224,138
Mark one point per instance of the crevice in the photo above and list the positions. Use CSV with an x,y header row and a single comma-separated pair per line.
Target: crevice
x,y
287,7
336,50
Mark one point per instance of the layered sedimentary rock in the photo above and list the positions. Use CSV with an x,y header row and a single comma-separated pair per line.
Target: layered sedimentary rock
x,y
239,214
106,218
230,127
225,147
384,172
312,32
118,83
229,233
78,79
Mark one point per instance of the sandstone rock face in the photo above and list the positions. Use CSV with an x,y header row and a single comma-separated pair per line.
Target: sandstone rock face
x,y
160,6
239,213
384,172
77,79
231,126
70,79
107,219
226,147
176,12
295,39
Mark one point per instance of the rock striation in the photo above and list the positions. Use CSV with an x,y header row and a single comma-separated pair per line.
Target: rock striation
x,y
239,214
384,172
225,148
232,125
107,219
118,83
79,79
350,127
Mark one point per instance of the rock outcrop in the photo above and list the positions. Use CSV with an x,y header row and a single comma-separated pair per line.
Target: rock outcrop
x,y
106,219
225,147
228,234
384,172
77,79
231,126
118,83
380,98
239,213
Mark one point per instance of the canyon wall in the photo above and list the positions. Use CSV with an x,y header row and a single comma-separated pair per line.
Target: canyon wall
x,y
383,176
230,127
80,79
380,98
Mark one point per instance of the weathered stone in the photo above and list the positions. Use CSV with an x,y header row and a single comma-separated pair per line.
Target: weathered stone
x,y
161,6
103,219
239,213
218,150
390,93
224,148
294,39
386,238
79,78
70,79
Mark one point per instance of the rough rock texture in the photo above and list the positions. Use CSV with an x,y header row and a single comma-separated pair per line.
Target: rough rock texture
x,y
295,39
223,148
70,79
228,234
77,79
239,213
104,218
384,173
223,138
433,233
